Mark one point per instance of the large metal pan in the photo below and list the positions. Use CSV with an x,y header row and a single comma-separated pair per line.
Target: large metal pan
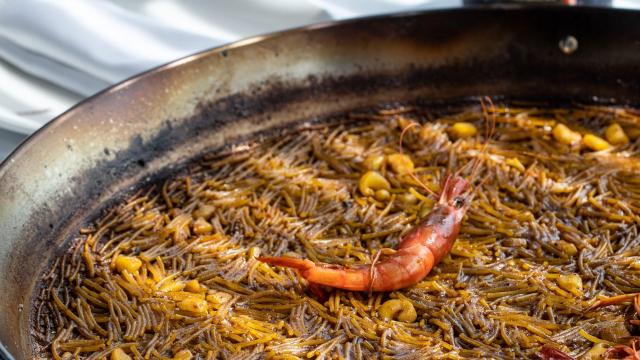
x,y
140,129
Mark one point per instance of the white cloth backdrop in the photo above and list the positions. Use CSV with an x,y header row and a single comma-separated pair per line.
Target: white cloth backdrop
x,y
54,53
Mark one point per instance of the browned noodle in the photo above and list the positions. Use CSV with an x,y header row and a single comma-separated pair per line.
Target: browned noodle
x,y
563,214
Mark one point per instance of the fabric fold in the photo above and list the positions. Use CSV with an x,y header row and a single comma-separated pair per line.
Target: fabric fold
x,y
85,46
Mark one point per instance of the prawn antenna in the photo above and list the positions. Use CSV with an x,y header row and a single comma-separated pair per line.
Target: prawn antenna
x,y
412,173
372,271
490,128
445,184
404,131
484,180
463,168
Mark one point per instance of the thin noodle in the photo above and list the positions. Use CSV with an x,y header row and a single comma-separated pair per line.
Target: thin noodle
x,y
548,253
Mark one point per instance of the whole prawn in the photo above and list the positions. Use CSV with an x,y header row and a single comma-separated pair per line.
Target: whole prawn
x,y
419,250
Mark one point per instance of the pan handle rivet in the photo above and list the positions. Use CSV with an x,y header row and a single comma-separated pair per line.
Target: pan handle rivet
x,y
568,44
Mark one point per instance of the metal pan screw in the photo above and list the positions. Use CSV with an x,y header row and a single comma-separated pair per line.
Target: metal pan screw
x,y
568,44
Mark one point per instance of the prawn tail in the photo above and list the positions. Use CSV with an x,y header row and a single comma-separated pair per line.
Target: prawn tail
x,y
336,276
298,264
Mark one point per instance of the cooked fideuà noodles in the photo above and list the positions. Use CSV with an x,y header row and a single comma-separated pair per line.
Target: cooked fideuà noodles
x,y
547,261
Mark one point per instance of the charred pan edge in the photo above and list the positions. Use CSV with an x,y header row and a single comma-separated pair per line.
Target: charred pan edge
x,y
276,95
4,353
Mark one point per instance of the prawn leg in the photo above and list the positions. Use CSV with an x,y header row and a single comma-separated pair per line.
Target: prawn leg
x,y
614,300
318,292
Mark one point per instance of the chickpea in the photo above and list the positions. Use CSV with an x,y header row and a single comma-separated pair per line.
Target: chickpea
x,y
595,143
170,286
567,247
403,123
463,130
401,163
217,298
399,309
565,135
374,162
372,181
426,133
193,286
204,211
194,305
407,198
202,226
572,283
119,354
616,135
382,195
129,263
515,163
183,354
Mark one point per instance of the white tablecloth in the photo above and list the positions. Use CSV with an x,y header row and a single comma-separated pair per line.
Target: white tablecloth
x,y
55,53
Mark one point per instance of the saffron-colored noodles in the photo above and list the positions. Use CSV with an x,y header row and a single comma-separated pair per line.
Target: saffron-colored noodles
x,y
172,272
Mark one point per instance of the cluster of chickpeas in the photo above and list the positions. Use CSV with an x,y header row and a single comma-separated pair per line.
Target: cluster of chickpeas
x,y
373,184
190,296
192,299
614,135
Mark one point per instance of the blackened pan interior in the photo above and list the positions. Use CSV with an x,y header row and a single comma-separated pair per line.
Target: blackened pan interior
x,y
143,128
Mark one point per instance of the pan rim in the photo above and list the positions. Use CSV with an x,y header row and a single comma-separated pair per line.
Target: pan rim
x,y
67,115
251,40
